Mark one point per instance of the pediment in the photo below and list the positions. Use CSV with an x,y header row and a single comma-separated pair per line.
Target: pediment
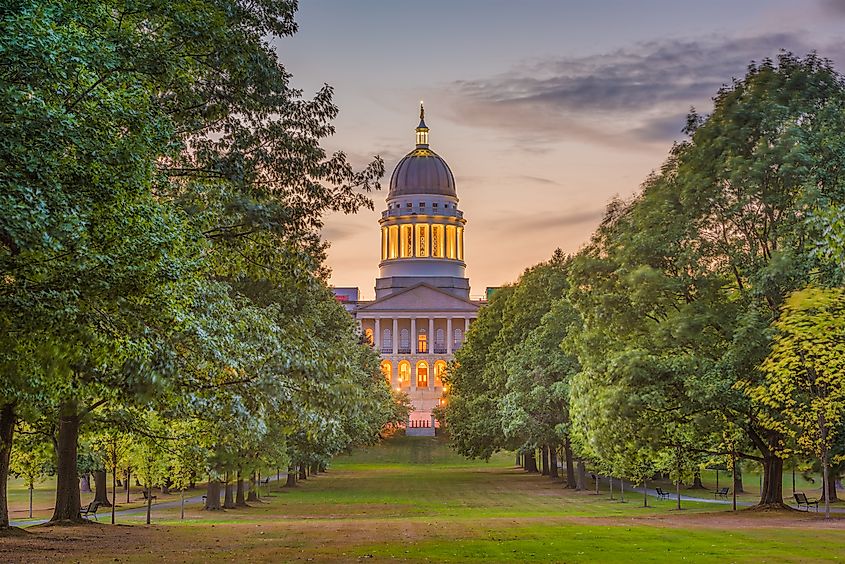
x,y
421,297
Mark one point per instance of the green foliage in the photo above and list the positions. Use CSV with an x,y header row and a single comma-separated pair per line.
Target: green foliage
x,y
803,390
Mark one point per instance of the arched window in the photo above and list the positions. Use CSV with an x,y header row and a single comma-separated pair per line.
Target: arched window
x,y
422,374
387,370
459,337
404,373
422,342
439,369
368,335
439,338
405,341
387,340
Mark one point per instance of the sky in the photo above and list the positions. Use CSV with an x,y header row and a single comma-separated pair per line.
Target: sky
x,y
544,110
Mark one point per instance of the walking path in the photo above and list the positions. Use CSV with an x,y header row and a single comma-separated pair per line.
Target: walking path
x,y
23,523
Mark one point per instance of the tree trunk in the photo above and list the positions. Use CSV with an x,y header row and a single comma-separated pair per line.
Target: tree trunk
x,y
239,492
228,493
149,490
212,496
315,468
85,483
518,460
67,479
128,482
114,482
622,490
826,486
290,481
831,486
544,460
7,432
678,493
610,484
645,492
772,490
696,481
253,489
581,478
553,473
531,461
303,473
570,464
101,489
738,480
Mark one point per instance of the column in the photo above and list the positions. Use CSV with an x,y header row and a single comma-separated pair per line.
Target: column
x,y
413,335
430,340
449,335
466,327
395,336
377,340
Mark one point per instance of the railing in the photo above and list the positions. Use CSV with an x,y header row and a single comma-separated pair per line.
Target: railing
x,y
439,350
404,350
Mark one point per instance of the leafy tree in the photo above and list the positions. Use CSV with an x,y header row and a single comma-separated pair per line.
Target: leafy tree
x,y
32,460
683,283
802,392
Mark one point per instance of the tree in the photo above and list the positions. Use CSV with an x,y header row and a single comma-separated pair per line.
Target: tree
x,y
31,460
687,279
803,388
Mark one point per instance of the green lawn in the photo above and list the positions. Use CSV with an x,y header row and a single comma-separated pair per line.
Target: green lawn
x,y
412,499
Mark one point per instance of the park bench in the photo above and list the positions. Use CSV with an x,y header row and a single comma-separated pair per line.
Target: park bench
x,y
265,481
802,501
662,494
148,495
90,510
721,492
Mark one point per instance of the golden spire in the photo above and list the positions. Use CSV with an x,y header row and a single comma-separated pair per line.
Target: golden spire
x,y
422,129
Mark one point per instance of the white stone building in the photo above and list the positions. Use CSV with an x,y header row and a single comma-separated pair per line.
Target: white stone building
x,y
422,309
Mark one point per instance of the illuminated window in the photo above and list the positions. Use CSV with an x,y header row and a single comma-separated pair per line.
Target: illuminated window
x,y
386,370
387,340
368,336
404,373
439,369
383,243
450,242
437,247
422,342
406,249
460,243
422,240
422,374
393,232
434,205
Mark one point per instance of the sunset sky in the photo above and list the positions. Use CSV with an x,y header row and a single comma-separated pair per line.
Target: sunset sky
x,y
543,110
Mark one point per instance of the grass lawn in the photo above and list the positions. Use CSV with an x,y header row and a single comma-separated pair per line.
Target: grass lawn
x,y
412,499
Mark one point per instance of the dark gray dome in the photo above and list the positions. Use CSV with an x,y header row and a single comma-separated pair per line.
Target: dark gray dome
x,y
422,171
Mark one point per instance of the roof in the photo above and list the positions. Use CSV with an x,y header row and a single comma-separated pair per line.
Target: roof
x,y
422,171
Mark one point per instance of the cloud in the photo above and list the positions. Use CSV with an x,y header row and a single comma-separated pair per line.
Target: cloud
x,y
546,221
833,7
639,93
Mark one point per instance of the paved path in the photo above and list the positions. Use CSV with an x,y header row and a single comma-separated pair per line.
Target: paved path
x,y
106,511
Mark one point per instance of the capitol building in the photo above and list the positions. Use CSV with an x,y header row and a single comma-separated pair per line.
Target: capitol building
x,y
422,309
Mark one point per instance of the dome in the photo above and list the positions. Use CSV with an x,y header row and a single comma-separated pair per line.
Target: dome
x,y
422,171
